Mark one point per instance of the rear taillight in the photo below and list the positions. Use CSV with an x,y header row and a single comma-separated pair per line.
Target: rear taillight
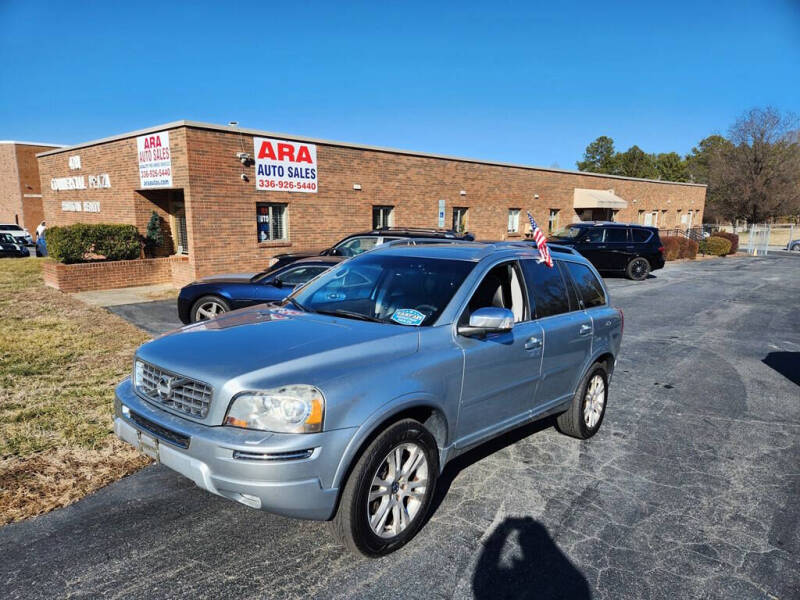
x,y
661,249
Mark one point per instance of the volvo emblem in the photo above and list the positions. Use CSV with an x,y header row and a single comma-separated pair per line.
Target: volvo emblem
x,y
164,387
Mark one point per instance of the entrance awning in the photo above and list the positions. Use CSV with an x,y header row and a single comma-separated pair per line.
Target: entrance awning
x,y
598,199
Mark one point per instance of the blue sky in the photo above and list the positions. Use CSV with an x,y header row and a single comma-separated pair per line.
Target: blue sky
x,y
523,82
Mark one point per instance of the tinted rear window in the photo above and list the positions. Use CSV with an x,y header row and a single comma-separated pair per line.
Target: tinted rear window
x,y
11,227
546,288
641,235
616,235
589,288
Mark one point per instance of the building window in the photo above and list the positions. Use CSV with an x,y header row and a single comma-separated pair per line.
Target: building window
x,y
513,220
382,216
272,224
641,217
460,219
552,221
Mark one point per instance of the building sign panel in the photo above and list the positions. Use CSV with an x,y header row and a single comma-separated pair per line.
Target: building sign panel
x,y
441,214
285,166
155,161
75,162
71,206
74,206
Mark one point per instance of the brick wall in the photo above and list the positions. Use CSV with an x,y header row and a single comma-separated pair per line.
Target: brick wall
x,y
221,208
20,185
10,199
84,277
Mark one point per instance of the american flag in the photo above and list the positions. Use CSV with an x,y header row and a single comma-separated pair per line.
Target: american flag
x,y
541,242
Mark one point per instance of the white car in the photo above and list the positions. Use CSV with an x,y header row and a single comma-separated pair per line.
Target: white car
x,y
20,234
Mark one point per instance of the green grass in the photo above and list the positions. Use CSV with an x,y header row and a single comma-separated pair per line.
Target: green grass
x,y
59,362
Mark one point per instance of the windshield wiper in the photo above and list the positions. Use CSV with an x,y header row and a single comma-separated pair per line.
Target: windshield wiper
x,y
297,304
350,315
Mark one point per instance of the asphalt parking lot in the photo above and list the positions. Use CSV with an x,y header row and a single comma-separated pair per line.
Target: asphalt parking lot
x,y
689,490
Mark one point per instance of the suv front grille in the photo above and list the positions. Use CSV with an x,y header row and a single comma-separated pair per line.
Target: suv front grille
x,y
183,394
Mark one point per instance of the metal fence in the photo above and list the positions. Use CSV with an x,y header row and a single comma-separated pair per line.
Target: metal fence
x,y
760,238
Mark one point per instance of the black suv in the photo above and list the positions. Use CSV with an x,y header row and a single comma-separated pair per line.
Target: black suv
x,y
631,249
361,242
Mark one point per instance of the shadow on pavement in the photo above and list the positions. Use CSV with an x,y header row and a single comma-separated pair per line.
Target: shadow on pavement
x,y
785,363
458,464
521,560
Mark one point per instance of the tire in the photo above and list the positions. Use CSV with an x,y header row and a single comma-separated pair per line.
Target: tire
x,y
208,305
351,525
638,269
575,422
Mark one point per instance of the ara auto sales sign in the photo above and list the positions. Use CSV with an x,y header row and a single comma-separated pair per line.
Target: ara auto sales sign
x,y
155,162
285,166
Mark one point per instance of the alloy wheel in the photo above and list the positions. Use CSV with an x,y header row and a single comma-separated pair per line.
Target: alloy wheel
x,y
594,401
639,268
209,310
398,490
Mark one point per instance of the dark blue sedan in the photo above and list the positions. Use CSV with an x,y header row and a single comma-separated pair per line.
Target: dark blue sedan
x,y
211,296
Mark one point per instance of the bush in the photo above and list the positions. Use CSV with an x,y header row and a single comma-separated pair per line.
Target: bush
x,y
689,249
677,246
732,238
71,244
672,247
715,246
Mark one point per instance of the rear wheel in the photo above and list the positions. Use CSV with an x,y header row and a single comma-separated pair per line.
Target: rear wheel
x,y
588,407
638,269
208,307
389,491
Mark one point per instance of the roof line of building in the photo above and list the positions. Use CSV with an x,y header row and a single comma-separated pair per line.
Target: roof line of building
x,y
310,140
31,143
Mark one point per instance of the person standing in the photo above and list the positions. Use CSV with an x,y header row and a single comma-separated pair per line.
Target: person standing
x,y
40,230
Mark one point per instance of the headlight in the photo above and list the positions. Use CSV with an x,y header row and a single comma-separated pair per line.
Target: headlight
x,y
138,373
288,409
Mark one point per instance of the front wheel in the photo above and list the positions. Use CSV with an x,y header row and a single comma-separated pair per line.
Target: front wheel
x,y
638,269
208,307
389,491
588,407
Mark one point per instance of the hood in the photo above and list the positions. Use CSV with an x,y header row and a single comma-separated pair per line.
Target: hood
x,y
264,345
228,278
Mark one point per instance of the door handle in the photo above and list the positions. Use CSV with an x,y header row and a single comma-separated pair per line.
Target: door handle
x,y
533,343
585,330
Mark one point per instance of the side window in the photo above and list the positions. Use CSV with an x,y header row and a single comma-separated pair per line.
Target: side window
x,y
355,246
300,275
616,235
546,288
589,288
640,235
501,287
594,235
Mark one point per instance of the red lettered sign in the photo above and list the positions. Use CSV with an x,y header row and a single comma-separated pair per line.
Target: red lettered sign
x,y
285,166
155,162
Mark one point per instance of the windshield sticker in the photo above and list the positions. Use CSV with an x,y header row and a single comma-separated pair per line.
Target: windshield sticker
x,y
407,316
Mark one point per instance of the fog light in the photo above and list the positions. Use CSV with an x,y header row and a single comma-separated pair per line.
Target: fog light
x,y
126,412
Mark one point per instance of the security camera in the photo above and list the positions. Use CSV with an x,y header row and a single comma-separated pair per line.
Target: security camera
x,y
244,177
244,157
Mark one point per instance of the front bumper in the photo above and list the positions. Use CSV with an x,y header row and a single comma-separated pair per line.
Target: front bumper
x,y
294,487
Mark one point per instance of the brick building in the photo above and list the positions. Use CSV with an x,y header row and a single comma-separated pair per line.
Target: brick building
x,y
20,191
230,198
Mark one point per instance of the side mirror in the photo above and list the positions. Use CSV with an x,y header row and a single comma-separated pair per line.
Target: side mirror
x,y
332,252
489,319
277,282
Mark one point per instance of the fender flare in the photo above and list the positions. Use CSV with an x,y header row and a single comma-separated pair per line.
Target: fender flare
x,y
382,414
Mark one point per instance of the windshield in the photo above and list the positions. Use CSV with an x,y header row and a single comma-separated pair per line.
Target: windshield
x,y
7,238
568,233
390,289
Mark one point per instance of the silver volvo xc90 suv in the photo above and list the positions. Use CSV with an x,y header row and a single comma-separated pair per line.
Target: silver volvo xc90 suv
x,y
345,402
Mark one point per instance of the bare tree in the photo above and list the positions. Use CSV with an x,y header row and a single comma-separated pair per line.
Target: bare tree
x,y
757,176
